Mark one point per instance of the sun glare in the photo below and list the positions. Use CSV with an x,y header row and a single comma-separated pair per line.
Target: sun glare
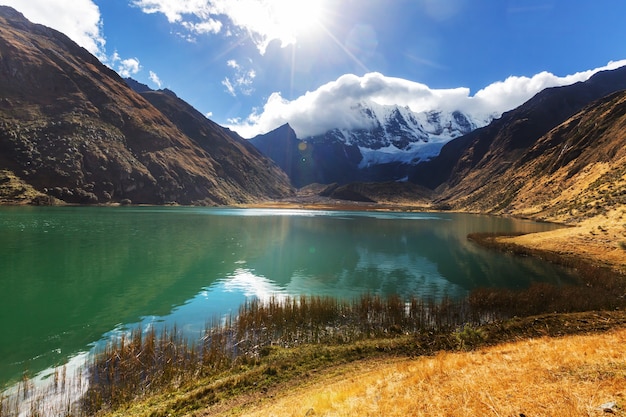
x,y
297,18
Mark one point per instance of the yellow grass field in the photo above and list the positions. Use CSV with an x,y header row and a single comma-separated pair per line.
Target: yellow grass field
x,y
601,240
569,376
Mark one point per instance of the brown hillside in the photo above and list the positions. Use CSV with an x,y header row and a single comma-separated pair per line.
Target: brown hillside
x,y
72,129
239,164
576,171
575,174
495,147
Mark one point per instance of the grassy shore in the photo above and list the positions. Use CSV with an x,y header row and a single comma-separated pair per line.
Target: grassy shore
x,y
284,347
600,240
552,364
583,375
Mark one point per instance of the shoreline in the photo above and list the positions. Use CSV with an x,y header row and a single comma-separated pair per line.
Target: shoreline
x,y
600,240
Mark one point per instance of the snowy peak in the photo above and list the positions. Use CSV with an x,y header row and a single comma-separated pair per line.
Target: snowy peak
x,y
391,133
450,125
374,142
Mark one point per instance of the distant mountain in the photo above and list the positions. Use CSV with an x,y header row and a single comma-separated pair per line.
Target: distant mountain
x,y
396,139
465,164
137,86
72,129
397,134
306,162
432,149
575,171
288,152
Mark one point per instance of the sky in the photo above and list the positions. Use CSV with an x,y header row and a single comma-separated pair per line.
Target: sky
x,y
253,65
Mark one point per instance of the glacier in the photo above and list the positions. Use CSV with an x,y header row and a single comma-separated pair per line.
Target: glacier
x,y
396,134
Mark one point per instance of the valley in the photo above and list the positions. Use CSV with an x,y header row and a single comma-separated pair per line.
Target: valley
x,y
159,214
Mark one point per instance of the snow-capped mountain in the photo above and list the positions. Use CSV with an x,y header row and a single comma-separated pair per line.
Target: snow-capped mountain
x,y
384,142
397,134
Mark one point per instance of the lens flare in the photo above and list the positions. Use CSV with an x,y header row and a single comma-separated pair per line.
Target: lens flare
x,y
296,18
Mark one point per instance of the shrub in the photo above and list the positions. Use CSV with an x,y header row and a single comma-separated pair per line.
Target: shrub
x,y
469,337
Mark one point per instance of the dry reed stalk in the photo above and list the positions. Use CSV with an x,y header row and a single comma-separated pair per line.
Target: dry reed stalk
x,y
143,363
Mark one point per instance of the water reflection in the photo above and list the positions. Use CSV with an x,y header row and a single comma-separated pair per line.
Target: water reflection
x,y
250,285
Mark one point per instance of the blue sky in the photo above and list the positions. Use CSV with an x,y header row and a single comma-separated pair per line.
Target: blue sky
x,y
254,64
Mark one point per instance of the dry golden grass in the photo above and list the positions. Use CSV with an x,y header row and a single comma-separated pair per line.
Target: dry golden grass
x,y
600,239
571,376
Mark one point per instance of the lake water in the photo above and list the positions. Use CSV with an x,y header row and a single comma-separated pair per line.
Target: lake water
x,y
72,276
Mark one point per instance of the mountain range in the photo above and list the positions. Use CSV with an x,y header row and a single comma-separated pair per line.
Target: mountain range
x,y
573,171
397,139
516,130
72,130
424,147
530,161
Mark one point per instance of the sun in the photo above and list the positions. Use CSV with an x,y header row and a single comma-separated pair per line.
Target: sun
x,y
296,18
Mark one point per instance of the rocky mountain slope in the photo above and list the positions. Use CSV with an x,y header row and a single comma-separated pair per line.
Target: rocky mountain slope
x,y
396,139
239,164
72,129
575,174
576,170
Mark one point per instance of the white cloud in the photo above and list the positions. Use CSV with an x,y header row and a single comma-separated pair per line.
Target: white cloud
x,y
510,93
128,67
241,81
125,67
329,106
229,87
155,79
208,26
175,10
262,21
78,19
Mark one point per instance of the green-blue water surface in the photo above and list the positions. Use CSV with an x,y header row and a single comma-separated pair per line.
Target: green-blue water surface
x,y
71,275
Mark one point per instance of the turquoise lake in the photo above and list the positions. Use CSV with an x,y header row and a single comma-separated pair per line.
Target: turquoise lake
x,y
72,276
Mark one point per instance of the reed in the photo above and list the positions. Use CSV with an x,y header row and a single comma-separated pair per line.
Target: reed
x,y
145,362
32,397
137,364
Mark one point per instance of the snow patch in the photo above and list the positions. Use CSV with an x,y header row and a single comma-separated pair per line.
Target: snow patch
x,y
396,134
